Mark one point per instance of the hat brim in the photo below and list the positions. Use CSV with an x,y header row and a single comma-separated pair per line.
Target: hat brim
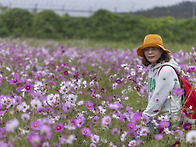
x,y
140,51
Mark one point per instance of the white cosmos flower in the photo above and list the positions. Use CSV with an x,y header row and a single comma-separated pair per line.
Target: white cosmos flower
x,y
11,125
191,136
35,103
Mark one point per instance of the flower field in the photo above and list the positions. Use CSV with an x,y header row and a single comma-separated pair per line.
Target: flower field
x,y
56,95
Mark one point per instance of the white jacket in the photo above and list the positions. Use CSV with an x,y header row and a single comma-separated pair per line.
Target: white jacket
x,y
160,88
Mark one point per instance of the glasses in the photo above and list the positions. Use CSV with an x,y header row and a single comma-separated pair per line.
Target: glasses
x,y
152,49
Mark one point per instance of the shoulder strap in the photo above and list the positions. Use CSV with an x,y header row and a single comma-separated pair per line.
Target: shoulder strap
x,y
170,66
179,79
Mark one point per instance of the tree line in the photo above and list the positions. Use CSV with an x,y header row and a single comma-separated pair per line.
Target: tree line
x,y
103,25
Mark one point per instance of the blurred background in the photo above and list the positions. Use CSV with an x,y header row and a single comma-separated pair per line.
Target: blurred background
x,y
88,7
126,21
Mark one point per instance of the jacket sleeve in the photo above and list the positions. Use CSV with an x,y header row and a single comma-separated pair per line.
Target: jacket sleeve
x,y
164,86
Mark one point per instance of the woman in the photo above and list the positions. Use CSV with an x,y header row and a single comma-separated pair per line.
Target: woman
x,y
161,83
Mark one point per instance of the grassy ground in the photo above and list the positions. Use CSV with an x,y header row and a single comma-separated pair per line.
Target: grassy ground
x,y
174,47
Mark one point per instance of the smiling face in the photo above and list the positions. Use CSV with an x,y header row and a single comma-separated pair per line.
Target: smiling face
x,y
152,54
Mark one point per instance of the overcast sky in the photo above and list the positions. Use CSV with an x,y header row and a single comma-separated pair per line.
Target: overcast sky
x,y
89,5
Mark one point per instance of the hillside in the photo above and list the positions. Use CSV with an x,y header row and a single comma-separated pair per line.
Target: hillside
x,y
182,10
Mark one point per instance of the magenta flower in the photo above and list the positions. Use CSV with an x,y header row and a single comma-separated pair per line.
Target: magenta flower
x,y
131,126
187,126
36,125
46,132
52,83
191,69
66,107
58,127
12,125
79,122
136,117
86,131
158,136
3,132
15,80
34,140
106,120
95,119
2,79
178,91
89,105
28,87
115,131
66,73
164,124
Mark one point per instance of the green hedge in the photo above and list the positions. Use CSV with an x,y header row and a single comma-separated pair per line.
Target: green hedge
x,y
103,25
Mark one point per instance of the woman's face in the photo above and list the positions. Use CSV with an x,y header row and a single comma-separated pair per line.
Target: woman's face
x,y
152,54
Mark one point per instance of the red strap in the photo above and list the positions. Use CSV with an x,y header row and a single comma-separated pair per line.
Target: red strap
x,y
167,65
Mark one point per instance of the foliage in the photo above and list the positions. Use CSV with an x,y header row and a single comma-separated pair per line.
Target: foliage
x,y
103,25
46,24
17,21
182,10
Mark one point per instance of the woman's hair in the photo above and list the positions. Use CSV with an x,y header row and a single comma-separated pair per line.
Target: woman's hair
x,y
164,57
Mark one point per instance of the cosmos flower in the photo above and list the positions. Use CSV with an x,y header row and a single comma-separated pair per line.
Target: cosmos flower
x,y
58,127
25,117
89,105
191,136
28,87
187,126
164,124
23,107
115,131
131,126
158,136
34,139
106,120
46,132
144,131
12,125
36,125
95,138
36,103
86,131
132,143
3,132
178,91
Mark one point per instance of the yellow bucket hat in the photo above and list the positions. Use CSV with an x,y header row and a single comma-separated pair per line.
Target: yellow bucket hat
x,y
151,40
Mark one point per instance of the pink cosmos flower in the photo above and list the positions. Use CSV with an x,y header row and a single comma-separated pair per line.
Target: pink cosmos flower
x,y
144,131
36,125
86,131
191,69
89,105
106,120
132,143
12,125
58,127
158,136
137,117
3,132
164,124
34,139
131,126
115,131
28,87
178,91
46,132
